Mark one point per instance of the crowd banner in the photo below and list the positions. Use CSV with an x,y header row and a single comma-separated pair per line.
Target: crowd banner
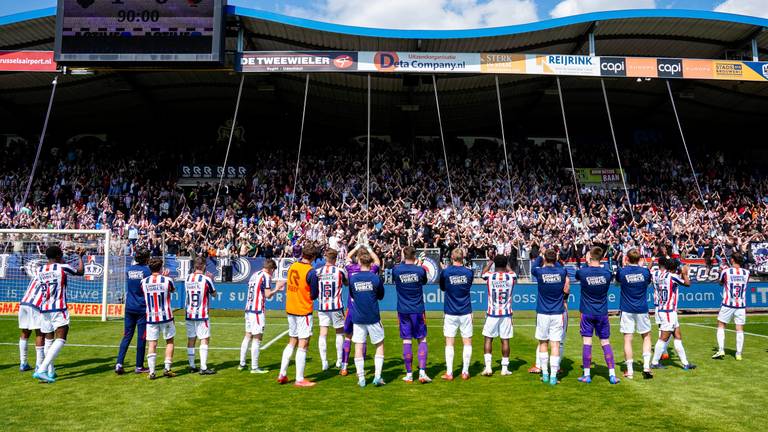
x,y
759,254
501,63
27,61
600,175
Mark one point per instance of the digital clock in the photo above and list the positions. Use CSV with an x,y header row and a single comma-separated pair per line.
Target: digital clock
x,y
139,31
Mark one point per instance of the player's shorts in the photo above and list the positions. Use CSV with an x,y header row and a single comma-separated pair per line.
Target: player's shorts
x,y
52,320
255,323
656,317
198,329
500,327
454,323
635,322
348,325
168,330
595,325
300,326
333,319
550,327
738,315
360,332
668,321
412,326
30,318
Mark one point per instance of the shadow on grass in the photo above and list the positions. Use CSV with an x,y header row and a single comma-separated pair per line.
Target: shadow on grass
x,y
97,366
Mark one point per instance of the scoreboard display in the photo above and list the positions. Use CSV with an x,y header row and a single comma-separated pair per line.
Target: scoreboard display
x,y
139,31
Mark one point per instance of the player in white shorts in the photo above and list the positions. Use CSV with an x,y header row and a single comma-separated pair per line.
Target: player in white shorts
x,y
735,280
258,292
54,323
329,281
367,289
498,322
634,280
668,283
157,291
199,290
30,319
553,288
456,282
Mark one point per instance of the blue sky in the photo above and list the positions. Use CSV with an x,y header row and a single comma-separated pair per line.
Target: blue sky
x,y
444,14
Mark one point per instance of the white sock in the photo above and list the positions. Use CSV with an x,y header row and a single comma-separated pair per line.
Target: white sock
x,y
630,368
191,357
538,360
657,352
554,364
46,349
151,360
544,361
612,372
255,351
488,359
301,361
244,349
339,346
681,351
466,357
449,359
52,353
360,367
587,371
287,354
720,339
39,356
203,356
739,341
504,363
646,361
168,363
22,351
378,364
323,345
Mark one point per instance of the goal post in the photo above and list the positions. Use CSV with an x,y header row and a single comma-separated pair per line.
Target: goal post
x,y
100,292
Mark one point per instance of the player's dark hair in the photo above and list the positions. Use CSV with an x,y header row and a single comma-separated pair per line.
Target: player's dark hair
x,y
331,254
663,262
200,262
500,262
270,264
596,253
54,253
309,252
142,256
737,258
550,256
409,253
155,265
633,256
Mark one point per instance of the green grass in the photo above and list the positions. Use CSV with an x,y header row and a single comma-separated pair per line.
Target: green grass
x,y
719,395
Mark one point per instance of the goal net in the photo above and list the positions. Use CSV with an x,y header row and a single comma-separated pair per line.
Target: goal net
x,y
99,292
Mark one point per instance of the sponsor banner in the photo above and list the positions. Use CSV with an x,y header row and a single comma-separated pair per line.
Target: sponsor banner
x,y
613,66
702,69
737,71
759,253
208,171
297,61
638,67
502,63
399,61
563,65
669,68
27,61
599,175
75,309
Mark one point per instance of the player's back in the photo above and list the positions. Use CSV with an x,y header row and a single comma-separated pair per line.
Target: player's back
x,y
500,286
157,295
34,296
134,297
367,289
667,285
330,284
735,281
456,281
199,288
634,281
53,281
257,285
595,282
550,282
409,282
298,300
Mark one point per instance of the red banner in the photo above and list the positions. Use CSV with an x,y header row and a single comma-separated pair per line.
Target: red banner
x,y
75,309
27,61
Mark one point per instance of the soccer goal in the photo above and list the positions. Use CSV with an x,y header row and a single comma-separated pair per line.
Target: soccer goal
x,y
99,292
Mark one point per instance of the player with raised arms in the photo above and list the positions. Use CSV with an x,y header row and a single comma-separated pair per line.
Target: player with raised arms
x,y
595,281
667,284
329,280
157,290
734,308
409,279
199,289
633,304
456,282
258,292
299,299
498,321
553,289
135,312
352,268
367,289
54,323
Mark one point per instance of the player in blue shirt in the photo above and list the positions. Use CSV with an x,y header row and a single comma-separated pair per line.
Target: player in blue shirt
x,y
634,280
553,290
595,281
366,289
456,282
538,263
135,312
409,279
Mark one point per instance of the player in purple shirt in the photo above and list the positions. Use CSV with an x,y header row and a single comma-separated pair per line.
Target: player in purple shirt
x,y
352,268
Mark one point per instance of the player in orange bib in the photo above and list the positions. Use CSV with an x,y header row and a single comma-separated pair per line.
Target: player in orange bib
x,y
299,298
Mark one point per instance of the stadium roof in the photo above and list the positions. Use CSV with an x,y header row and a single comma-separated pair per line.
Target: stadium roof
x,y
469,100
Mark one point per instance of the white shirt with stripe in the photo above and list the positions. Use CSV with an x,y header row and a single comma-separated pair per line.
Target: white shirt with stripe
x,y
199,288
500,287
157,295
52,280
257,286
667,286
735,281
330,284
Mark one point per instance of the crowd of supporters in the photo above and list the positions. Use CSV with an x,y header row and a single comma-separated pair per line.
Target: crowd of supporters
x,y
411,200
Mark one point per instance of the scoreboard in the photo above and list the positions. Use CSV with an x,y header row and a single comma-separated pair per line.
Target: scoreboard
x,y
139,31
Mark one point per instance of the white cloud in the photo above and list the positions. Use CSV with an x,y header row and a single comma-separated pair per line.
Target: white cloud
x,y
757,8
420,14
575,7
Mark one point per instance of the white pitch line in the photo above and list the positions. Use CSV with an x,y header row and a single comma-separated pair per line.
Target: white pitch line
x,y
178,348
728,330
266,345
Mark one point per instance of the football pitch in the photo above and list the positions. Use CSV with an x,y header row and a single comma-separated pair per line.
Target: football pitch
x,y
719,395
